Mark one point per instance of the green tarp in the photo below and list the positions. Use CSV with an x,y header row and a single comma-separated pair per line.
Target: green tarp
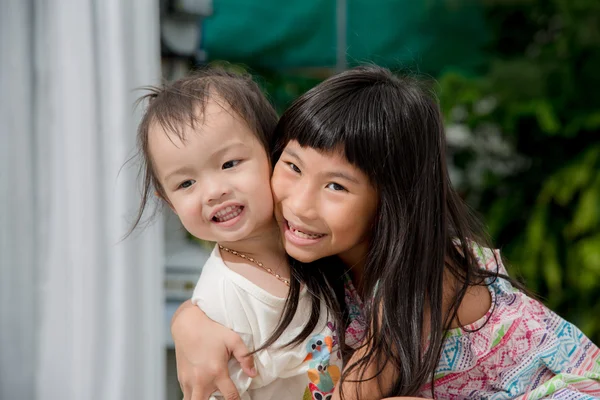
x,y
279,34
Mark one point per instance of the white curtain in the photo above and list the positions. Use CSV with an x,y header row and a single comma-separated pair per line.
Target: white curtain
x,y
81,313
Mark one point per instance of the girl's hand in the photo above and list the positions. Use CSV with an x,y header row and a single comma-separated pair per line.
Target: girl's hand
x,y
203,349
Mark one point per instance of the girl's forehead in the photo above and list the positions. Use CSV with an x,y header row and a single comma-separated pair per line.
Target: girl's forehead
x,y
326,163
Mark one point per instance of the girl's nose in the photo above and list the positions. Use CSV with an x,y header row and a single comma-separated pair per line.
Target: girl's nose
x,y
302,203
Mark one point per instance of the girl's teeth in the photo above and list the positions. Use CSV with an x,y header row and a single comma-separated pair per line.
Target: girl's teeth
x,y
224,211
228,213
303,235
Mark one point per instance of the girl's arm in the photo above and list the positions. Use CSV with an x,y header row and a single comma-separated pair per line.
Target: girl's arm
x,y
203,349
371,389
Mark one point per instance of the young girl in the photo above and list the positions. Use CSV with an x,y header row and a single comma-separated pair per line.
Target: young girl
x,y
205,144
361,174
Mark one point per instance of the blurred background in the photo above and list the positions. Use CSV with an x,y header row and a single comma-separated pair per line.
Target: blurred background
x,y
85,315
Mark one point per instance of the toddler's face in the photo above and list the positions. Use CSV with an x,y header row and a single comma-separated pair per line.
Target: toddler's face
x,y
217,179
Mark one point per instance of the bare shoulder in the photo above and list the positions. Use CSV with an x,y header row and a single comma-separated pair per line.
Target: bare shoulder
x,y
476,303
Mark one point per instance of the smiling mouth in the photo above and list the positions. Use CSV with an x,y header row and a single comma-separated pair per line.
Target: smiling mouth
x,y
301,234
228,213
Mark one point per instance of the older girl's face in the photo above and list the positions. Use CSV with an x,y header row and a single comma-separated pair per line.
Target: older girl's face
x,y
324,205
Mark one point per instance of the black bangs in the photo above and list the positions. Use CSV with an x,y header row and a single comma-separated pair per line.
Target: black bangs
x,y
335,116
368,113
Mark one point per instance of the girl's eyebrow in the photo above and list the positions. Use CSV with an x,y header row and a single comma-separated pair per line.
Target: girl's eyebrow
x,y
293,154
341,175
328,175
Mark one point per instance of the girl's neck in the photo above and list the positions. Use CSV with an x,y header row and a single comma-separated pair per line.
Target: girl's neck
x,y
355,260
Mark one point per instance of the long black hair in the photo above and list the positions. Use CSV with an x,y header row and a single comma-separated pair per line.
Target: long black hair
x,y
391,128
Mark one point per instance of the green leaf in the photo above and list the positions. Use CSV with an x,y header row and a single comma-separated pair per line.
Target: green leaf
x,y
587,211
552,271
536,230
547,118
588,250
564,184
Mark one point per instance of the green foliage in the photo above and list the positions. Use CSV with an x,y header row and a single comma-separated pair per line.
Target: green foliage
x,y
539,185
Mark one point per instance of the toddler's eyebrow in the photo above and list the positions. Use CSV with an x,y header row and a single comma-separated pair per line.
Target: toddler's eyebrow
x,y
179,171
227,147
183,170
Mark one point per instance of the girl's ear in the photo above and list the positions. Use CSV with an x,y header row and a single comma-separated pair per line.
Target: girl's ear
x,y
166,200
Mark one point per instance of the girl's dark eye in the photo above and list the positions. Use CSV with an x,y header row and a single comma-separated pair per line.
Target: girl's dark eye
x,y
335,186
186,184
230,164
294,168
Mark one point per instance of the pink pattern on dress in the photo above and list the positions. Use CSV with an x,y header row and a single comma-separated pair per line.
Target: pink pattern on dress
x,y
519,349
355,331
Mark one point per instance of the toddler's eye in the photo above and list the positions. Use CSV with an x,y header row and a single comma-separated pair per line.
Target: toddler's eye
x,y
186,184
230,164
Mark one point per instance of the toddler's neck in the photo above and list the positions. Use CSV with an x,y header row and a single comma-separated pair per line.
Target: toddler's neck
x,y
266,243
269,269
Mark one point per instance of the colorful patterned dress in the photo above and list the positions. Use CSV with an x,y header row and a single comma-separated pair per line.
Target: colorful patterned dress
x,y
524,351
519,350
355,331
